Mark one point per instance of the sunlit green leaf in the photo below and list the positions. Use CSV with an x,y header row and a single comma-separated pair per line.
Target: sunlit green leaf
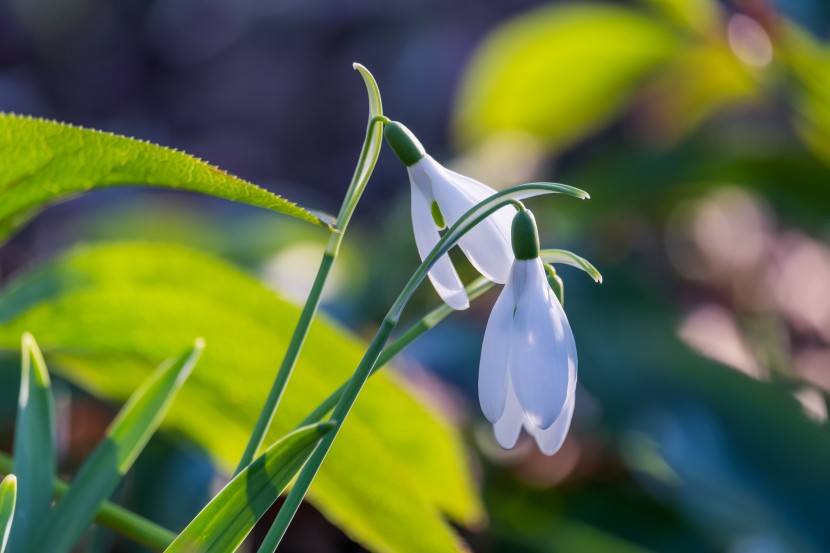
x,y
558,72
102,471
224,523
395,466
34,446
8,494
45,161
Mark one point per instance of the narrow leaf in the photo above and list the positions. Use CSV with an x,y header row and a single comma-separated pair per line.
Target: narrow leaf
x,y
8,494
100,474
224,523
34,445
569,258
45,161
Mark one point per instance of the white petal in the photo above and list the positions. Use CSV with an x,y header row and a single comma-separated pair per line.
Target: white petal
x,y
551,439
443,275
543,359
509,426
487,246
495,354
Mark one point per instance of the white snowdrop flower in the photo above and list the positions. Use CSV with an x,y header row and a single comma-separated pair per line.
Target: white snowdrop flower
x,y
439,198
528,368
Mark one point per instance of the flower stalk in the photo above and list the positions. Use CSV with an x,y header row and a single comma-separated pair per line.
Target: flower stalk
x,y
346,401
365,166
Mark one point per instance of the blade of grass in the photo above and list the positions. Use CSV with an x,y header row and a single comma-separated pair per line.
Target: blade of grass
x,y
8,495
102,471
112,516
223,524
34,446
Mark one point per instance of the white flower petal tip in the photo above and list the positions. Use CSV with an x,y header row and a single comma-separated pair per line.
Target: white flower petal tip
x,y
528,368
487,246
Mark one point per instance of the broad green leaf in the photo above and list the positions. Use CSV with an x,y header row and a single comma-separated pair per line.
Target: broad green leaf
x,y
104,314
45,161
8,494
34,446
224,523
102,471
558,72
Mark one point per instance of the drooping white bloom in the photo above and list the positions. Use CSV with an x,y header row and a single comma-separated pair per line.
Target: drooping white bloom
x,y
528,368
439,198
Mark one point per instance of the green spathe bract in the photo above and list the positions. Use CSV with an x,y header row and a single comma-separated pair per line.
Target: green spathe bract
x,y
365,165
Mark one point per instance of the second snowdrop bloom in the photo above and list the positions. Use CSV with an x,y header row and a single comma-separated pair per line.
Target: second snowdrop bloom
x,y
528,369
439,198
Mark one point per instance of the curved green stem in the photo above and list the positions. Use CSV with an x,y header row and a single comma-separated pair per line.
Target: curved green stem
x,y
365,165
370,359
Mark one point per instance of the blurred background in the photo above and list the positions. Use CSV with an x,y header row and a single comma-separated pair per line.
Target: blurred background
x,y
701,130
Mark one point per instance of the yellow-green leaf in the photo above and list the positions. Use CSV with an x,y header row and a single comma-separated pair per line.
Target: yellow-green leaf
x,y
106,313
45,161
558,72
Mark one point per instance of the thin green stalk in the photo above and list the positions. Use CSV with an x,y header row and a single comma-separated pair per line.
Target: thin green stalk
x,y
474,290
117,519
365,165
370,359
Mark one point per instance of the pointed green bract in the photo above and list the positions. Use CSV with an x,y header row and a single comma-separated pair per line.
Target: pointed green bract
x,y
102,471
223,524
34,446
8,495
46,161
569,258
133,304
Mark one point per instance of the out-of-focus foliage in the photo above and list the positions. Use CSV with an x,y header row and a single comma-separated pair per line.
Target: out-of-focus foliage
x,y
707,177
132,305
45,161
547,72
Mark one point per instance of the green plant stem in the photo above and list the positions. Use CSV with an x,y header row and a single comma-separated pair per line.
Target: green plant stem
x,y
465,223
474,290
289,361
117,519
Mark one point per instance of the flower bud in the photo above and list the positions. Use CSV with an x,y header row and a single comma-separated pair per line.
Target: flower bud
x,y
403,143
556,283
525,237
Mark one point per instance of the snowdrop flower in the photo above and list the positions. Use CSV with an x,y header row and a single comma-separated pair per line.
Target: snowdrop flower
x,y
527,374
439,198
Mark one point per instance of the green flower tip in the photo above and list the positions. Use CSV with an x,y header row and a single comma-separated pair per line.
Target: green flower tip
x,y
556,284
403,143
525,236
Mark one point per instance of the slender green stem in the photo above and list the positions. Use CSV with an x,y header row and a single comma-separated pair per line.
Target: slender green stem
x,y
344,404
118,519
474,290
341,410
266,415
